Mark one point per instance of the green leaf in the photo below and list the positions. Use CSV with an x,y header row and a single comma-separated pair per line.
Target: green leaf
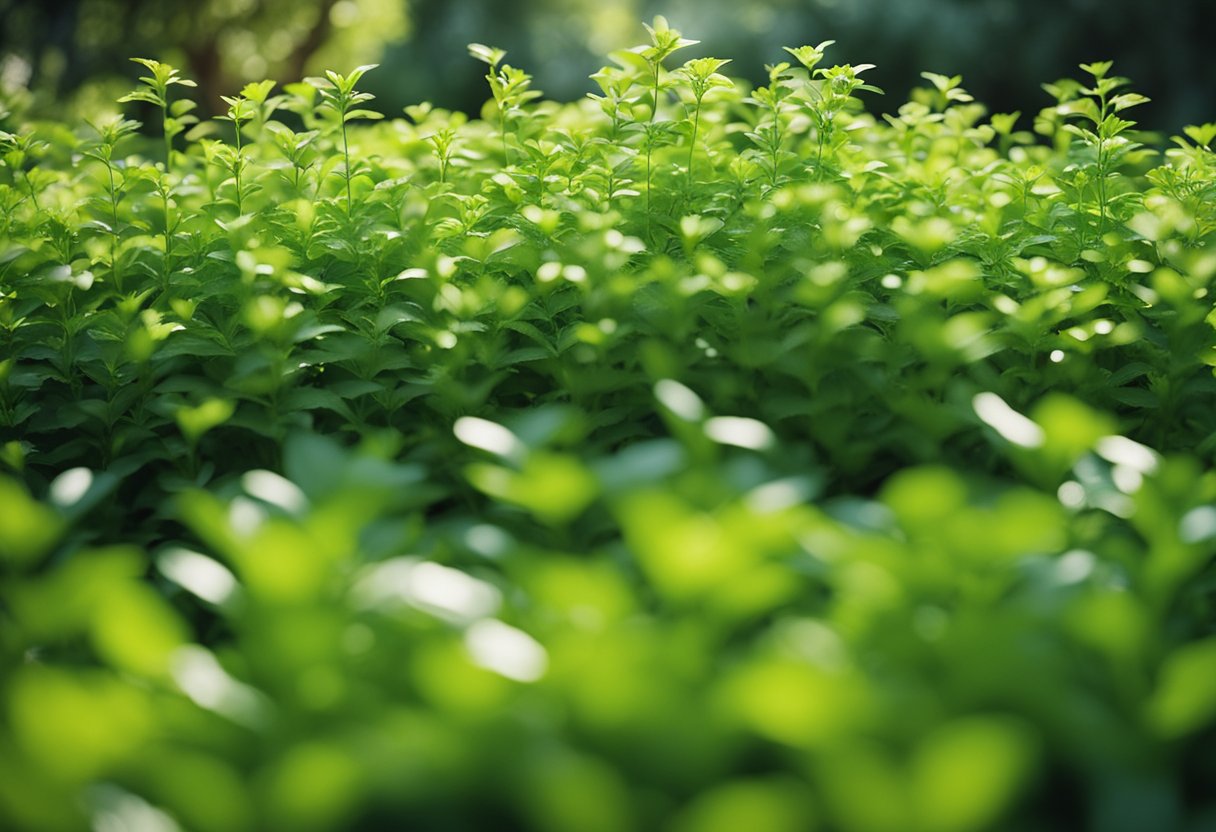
x,y
28,529
198,420
1097,69
966,773
1203,135
1185,697
368,114
487,54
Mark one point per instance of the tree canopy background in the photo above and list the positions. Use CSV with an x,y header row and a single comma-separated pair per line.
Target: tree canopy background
x,y
74,53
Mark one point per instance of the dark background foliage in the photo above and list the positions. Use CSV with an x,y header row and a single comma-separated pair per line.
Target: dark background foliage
x,y
1004,49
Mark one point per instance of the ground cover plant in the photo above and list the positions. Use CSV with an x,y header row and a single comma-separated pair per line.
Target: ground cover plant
x,y
687,457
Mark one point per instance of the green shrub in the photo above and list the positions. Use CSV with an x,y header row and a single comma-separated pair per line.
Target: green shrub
x,y
689,457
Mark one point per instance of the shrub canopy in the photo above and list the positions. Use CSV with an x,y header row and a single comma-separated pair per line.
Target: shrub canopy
x,y
691,456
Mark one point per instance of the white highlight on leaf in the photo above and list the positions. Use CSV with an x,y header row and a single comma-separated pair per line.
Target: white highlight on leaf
x,y
489,436
1011,425
245,516
1056,356
201,677
275,489
1071,494
117,810
439,590
1123,451
741,432
549,271
1005,304
506,651
70,486
680,400
1198,524
487,541
199,574
1075,566
1126,479
778,495
1119,505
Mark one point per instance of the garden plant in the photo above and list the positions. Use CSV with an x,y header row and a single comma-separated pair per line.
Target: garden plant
x,y
690,457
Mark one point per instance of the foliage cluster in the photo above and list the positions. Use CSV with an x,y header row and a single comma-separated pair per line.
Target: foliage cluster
x,y
692,456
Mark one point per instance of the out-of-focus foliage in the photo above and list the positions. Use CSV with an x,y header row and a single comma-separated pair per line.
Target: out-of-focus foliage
x,y
692,456
1003,47
81,47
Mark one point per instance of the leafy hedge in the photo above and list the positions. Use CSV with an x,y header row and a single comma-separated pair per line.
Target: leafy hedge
x,y
688,457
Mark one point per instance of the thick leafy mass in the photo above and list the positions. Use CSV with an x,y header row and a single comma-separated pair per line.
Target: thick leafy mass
x,y
690,457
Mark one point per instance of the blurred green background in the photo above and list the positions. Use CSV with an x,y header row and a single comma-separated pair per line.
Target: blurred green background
x,y
75,51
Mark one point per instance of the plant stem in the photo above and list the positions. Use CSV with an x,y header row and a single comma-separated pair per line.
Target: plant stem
x,y
649,139
114,228
1101,169
776,144
168,233
236,169
654,112
692,145
168,138
819,155
33,194
165,191
502,131
346,156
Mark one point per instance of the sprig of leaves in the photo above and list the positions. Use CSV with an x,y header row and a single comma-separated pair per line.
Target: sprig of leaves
x,y
341,100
